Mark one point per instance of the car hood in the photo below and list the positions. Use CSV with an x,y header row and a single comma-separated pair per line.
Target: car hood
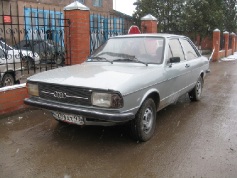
x,y
123,77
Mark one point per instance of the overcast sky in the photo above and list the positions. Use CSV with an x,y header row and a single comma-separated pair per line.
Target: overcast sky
x,y
125,6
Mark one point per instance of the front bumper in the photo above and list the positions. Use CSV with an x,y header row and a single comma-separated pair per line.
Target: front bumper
x,y
100,114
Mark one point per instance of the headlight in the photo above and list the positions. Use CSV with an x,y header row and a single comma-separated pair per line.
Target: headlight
x,y
33,89
107,100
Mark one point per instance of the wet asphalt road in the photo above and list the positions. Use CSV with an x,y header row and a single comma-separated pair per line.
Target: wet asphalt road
x,y
192,139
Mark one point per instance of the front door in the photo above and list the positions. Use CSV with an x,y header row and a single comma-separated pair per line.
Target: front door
x,y
175,73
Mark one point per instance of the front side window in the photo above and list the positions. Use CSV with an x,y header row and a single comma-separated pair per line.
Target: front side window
x,y
97,3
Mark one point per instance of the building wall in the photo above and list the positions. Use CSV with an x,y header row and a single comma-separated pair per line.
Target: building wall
x,y
107,5
16,8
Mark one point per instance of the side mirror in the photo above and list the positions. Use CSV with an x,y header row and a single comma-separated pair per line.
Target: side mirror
x,y
174,59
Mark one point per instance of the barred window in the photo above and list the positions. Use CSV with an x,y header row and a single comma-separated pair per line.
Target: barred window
x,y
97,3
81,1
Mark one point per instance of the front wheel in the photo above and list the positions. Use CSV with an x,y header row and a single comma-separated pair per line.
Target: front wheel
x,y
143,126
196,93
8,80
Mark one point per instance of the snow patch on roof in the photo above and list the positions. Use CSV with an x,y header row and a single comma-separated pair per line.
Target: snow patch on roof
x,y
76,5
148,17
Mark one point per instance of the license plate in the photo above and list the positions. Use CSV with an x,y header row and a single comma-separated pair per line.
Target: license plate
x,y
75,119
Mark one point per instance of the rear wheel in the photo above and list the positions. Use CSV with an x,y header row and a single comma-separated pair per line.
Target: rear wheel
x,y
27,63
196,93
59,59
7,80
143,126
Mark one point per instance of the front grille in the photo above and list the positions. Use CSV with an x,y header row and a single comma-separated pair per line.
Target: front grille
x,y
65,94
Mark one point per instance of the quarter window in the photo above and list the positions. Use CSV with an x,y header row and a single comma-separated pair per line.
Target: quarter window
x,y
189,51
176,49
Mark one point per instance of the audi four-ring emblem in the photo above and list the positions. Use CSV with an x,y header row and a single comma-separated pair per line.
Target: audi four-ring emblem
x,y
58,94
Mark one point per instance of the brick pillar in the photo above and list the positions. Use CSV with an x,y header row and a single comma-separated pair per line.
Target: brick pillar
x,y
77,38
149,24
226,37
216,44
233,42
198,40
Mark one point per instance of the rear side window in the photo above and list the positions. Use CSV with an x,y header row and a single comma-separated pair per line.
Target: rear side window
x,y
189,51
176,49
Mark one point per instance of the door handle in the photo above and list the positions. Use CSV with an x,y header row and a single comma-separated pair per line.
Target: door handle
x,y
187,65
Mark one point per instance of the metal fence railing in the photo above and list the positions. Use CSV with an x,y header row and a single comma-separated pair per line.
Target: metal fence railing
x,y
103,27
31,41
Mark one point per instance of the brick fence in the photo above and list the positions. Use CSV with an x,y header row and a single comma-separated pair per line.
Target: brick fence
x,y
228,48
11,98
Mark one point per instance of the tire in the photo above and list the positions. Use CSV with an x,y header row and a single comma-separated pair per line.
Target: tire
x,y
7,80
196,93
27,63
59,59
17,82
143,126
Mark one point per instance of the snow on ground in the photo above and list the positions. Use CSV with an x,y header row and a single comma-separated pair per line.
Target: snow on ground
x,y
230,58
4,89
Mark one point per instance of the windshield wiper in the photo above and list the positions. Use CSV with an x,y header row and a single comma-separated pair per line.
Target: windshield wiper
x,y
131,58
101,58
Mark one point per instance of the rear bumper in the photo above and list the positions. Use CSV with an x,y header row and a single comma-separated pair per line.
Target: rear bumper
x,y
100,114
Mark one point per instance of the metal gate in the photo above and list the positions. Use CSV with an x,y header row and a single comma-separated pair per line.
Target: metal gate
x,y
31,40
103,27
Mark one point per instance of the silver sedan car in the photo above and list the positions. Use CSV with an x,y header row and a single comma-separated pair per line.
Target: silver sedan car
x,y
126,80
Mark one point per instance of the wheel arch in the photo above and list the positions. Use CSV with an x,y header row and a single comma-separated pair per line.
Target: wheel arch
x,y
153,94
202,74
10,72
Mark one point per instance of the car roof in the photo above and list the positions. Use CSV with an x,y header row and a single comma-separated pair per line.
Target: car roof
x,y
163,35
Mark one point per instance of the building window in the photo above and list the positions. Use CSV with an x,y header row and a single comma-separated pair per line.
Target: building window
x,y
97,3
81,1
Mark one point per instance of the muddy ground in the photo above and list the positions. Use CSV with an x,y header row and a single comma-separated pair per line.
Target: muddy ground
x,y
192,139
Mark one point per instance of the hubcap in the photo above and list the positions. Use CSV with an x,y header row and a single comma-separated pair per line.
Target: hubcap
x,y
199,88
8,82
147,120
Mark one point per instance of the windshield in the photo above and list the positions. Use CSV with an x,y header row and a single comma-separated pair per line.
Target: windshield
x,y
133,49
